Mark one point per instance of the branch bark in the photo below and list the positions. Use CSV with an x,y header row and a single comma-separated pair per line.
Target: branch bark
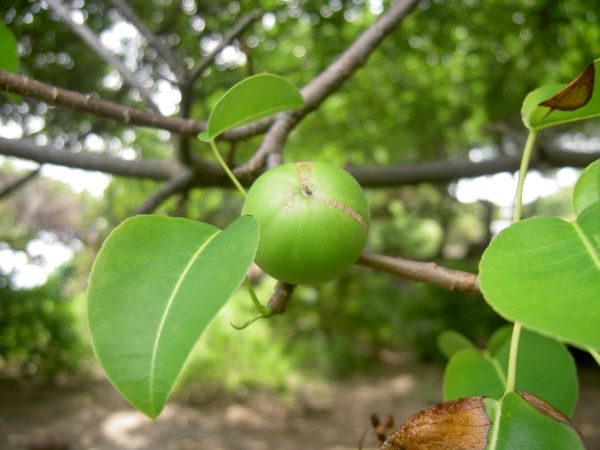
x,y
177,184
15,185
94,43
53,95
152,39
148,169
428,272
210,174
329,81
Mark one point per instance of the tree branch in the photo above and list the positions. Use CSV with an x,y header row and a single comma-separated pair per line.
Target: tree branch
x,y
428,272
28,87
149,169
53,95
152,39
210,174
11,187
92,41
237,30
329,81
177,184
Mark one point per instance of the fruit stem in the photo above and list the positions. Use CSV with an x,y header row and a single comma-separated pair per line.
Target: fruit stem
x,y
516,334
226,168
595,354
263,311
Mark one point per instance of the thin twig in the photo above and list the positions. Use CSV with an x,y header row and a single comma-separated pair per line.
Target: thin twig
x,y
17,84
13,186
237,30
53,95
180,183
428,272
94,43
328,81
152,39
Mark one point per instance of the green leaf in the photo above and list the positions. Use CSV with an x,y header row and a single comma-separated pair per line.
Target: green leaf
x,y
498,339
545,273
450,342
155,286
558,103
520,421
587,188
251,99
544,368
9,58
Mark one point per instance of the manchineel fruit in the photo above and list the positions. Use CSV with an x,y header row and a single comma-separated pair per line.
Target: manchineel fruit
x,y
313,219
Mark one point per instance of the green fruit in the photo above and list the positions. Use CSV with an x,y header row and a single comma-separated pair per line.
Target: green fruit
x,y
313,219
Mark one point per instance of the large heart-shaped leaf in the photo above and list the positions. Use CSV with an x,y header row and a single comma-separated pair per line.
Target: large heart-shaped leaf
x,y
251,99
544,368
155,286
587,188
558,103
523,421
9,58
545,273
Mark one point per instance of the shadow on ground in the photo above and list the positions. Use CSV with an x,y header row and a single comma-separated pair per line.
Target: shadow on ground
x,y
94,417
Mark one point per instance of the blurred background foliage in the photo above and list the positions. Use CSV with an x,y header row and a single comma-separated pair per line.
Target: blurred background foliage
x,y
437,89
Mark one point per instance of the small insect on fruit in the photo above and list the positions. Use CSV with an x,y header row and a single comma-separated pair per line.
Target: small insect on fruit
x,y
313,219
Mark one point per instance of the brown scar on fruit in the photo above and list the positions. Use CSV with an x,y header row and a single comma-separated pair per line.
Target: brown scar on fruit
x,y
457,424
304,169
574,95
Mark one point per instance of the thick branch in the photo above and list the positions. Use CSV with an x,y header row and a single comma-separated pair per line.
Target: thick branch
x,y
5,191
152,169
210,174
237,30
152,39
281,296
93,42
428,272
329,81
177,184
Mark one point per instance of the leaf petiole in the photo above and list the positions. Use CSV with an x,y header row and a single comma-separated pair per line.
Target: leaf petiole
x,y
514,341
226,168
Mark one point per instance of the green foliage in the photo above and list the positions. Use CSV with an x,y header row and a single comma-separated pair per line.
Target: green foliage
x,y
517,423
9,58
544,368
587,188
252,99
155,286
545,273
39,334
450,342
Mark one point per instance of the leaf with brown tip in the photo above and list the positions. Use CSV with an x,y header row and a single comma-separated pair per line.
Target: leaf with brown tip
x,y
575,94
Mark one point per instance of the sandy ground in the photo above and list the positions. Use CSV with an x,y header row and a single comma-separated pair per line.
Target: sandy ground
x,y
94,417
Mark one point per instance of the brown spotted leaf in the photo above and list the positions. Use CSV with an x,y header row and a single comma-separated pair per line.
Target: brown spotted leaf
x,y
461,424
558,103
575,94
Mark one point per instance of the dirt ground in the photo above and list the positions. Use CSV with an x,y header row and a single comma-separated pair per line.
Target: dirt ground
x,y
94,417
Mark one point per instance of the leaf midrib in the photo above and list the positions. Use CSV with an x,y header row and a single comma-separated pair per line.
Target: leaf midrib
x,y
587,244
167,310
